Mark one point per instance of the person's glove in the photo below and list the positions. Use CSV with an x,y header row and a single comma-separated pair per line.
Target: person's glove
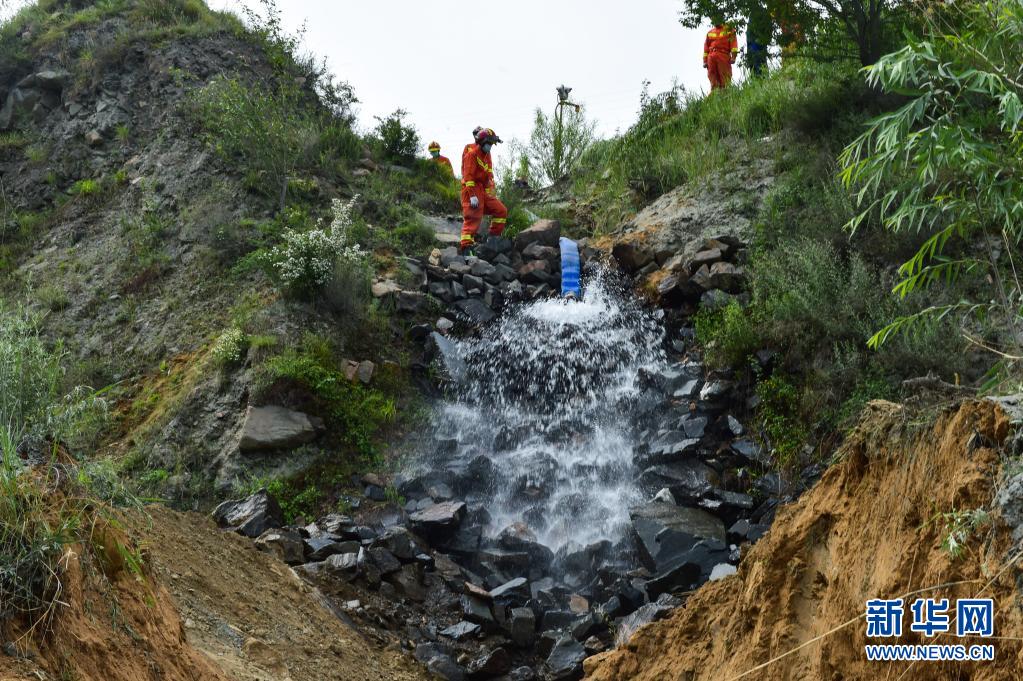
x,y
474,201
704,64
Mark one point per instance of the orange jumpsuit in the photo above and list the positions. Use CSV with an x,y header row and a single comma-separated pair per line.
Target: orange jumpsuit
x,y
478,181
719,52
444,162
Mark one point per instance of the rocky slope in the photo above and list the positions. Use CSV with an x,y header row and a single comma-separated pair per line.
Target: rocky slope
x,y
876,526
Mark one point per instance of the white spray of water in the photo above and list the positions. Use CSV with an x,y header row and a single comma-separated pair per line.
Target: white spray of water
x,y
548,394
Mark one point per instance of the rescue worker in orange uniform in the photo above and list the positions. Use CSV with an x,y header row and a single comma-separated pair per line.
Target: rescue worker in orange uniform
x,y
719,52
479,193
442,161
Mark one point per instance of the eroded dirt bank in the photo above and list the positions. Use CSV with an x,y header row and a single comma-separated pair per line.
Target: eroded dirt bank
x,y
210,608
872,528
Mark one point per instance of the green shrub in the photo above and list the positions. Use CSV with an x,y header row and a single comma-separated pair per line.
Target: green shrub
x,y
356,411
309,261
398,140
729,335
86,188
227,350
270,130
39,515
781,418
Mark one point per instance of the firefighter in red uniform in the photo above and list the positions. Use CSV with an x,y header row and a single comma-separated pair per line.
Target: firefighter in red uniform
x,y
479,193
719,52
442,161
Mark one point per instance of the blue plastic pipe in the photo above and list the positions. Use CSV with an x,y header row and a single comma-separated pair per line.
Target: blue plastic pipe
x,y
569,268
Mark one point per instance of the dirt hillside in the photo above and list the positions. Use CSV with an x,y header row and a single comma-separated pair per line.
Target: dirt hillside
x,y
872,528
228,612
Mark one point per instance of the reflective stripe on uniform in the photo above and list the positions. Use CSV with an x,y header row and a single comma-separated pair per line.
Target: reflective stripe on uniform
x,y
470,183
501,220
482,164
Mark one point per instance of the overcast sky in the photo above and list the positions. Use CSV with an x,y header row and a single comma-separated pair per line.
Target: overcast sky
x,y
454,65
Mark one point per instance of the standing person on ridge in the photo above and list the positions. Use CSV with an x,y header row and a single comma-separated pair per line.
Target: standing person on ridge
x,y
442,161
719,52
479,193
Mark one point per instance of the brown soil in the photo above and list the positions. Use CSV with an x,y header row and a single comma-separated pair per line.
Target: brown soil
x,y
870,529
229,612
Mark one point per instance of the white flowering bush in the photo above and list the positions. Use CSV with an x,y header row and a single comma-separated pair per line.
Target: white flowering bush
x,y
307,261
227,349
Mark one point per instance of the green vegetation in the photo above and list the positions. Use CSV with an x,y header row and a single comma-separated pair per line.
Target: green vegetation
x,y
41,512
397,139
556,144
946,165
683,138
358,413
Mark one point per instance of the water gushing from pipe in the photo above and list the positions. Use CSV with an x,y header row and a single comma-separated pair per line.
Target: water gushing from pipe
x,y
549,395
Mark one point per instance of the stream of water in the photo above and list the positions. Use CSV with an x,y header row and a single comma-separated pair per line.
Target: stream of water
x,y
548,397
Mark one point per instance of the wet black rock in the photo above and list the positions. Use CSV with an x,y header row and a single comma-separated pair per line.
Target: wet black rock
x,y
651,612
465,542
687,480
461,631
324,546
514,590
400,543
384,560
446,668
472,310
521,674
521,625
493,247
477,610
688,570
490,664
751,451
565,662
439,520
285,544
251,516
650,520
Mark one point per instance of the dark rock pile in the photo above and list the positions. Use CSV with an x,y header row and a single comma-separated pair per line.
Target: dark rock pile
x,y
475,288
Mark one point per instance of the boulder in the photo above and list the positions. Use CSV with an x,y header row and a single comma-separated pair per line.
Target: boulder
x,y
706,257
285,544
251,516
440,519
516,589
493,247
535,251
727,277
473,311
482,268
521,625
490,664
688,569
535,272
461,631
688,525
688,480
268,428
54,80
651,612
675,289
323,547
632,256
344,565
565,662
543,232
